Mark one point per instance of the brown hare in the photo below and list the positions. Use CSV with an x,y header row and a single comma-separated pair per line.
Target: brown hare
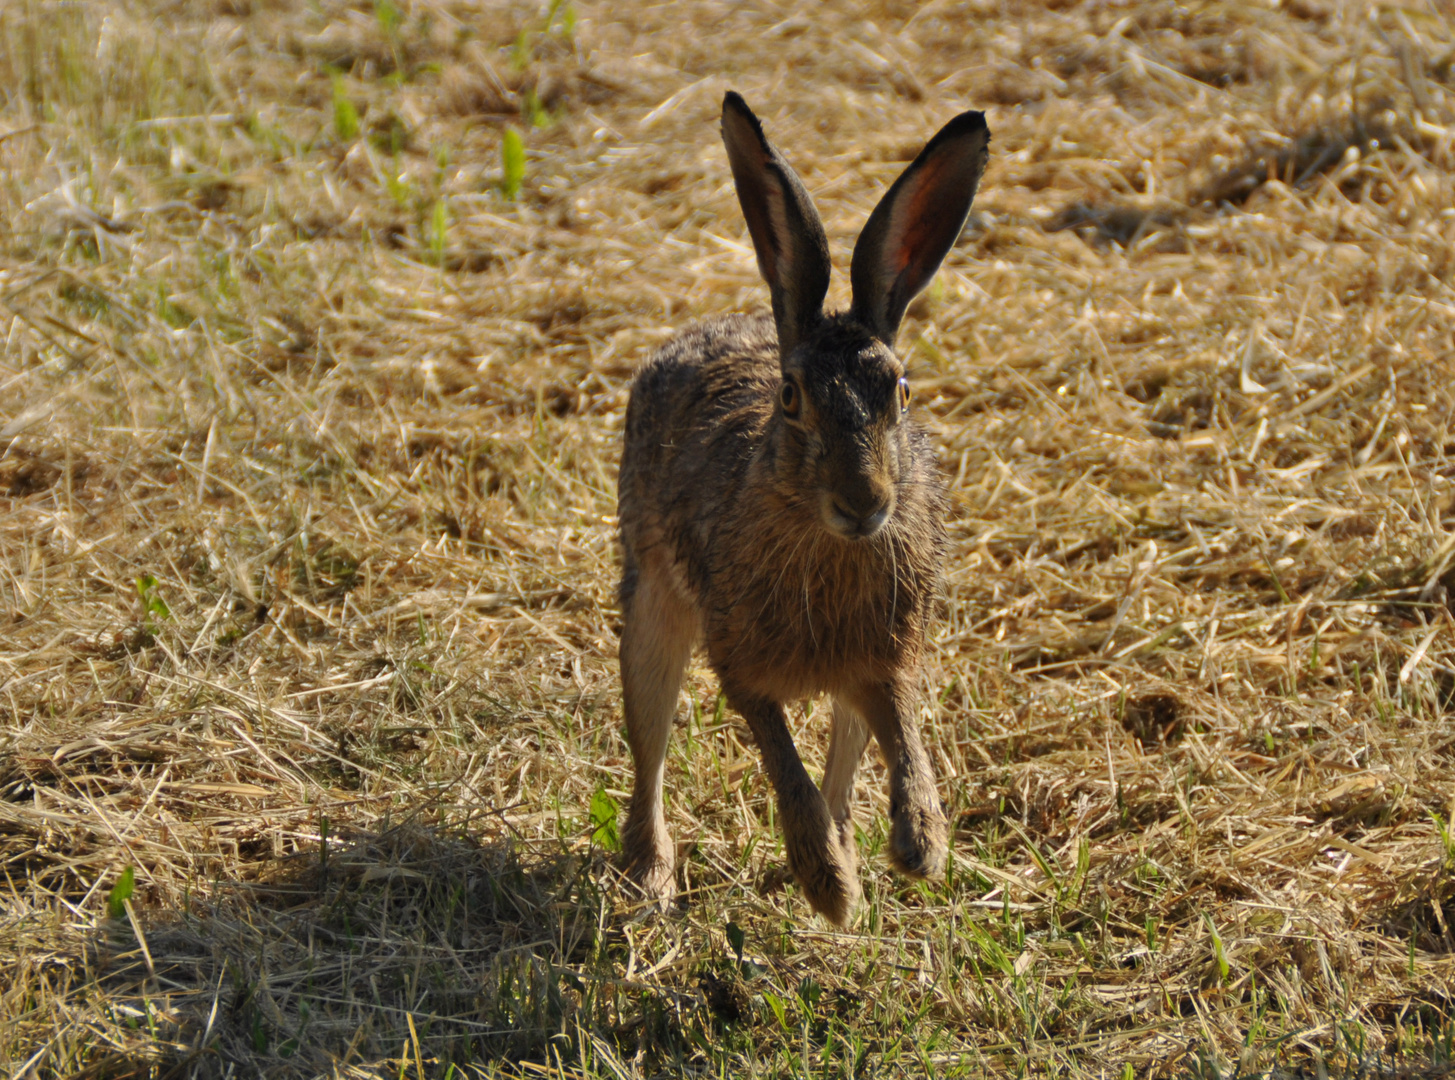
x,y
777,503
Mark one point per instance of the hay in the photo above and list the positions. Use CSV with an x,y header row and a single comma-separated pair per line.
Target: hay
x,y
307,451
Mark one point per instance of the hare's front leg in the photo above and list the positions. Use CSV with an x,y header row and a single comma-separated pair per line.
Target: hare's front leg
x,y
823,868
846,746
918,830
659,628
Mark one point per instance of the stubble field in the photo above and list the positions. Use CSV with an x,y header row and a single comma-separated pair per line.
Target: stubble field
x,y
311,395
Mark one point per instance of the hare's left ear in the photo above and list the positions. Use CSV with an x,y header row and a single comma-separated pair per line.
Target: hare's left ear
x,y
916,223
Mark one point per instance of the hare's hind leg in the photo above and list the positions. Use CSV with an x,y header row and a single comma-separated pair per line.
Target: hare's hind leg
x,y
659,628
917,835
846,746
823,868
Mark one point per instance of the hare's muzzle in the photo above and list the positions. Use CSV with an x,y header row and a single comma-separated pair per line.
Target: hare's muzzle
x,y
856,519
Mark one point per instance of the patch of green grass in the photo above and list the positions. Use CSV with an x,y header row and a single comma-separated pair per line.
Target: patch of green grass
x,y
345,115
512,163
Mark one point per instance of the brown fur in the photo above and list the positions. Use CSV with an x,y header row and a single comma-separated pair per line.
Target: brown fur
x,y
787,607
793,529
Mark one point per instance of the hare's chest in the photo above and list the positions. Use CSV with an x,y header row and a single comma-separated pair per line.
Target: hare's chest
x,y
793,631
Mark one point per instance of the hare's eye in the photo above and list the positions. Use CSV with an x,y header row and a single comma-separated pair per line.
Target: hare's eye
x,y
788,396
903,394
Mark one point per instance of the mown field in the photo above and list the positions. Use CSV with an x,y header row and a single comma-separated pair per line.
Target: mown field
x,y
318,327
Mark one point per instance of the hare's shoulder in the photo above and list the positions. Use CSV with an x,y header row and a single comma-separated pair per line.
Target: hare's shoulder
x,y
706,374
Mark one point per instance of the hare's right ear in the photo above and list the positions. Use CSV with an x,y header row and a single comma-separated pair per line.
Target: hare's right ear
x,y
916,224
793,254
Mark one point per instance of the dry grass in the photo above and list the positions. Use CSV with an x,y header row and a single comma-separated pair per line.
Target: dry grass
x,y
307,554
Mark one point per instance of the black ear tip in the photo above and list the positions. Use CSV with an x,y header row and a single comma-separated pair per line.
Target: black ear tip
x,y
733,101
967,125
967,122
734,107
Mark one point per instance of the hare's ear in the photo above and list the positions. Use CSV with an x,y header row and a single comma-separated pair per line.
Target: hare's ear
x,y
793,254
916,223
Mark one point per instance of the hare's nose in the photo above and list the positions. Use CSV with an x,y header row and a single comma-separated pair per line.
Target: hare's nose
x,y
863,521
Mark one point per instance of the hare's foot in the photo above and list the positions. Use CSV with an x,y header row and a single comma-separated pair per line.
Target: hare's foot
x,y
655,881
825,867
917,838
917,833
647,853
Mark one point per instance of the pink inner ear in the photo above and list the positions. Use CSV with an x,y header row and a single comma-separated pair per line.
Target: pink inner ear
x,y
921,228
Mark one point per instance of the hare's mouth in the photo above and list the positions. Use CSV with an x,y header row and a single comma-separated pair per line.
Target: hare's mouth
x,y
855,522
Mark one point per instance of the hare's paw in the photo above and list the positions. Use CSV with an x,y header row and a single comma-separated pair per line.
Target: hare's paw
x,y
917,842
828,874
648,857
833,894
652,878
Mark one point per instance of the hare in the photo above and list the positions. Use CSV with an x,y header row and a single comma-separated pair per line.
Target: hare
x,y
777,504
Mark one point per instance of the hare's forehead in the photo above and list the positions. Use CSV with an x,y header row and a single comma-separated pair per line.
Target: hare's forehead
x,y
858,383
851,364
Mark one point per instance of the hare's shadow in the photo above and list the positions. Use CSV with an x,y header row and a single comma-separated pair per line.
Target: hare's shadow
x,y
407,938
